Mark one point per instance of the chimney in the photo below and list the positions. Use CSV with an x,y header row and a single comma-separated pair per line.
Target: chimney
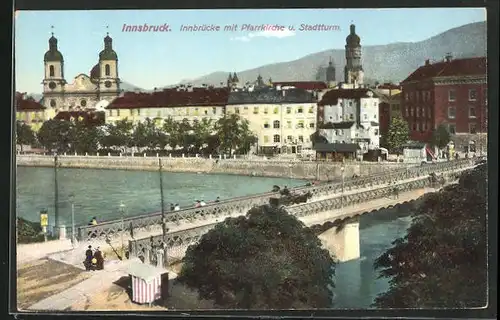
x,y
448,57
427,62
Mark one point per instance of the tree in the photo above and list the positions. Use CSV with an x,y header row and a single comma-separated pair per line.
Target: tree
x,y
397,134
56,135
440,137
85,137
171,129
202,130
119,135
442,261
234,134
266,259
24,134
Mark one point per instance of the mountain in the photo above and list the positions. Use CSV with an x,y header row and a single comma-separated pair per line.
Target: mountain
x,y
383,63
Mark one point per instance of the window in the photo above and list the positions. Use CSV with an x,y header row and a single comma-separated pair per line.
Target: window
x,y
375,103
365,116
423,112
255,110
289,138
472,128
412,111
214,110
138,112
266,125
418,126
118,112
236,110
300,125
407,111
406,96
472,112
289,124
83,102
205,112
51,71
276,138
276,124
451,112
376,132
311,125
300,110
276,110
472,94
424,126
53,103
339,132
351,116
107,70
452,129
301,139
414,126
266,139
265,110
350,103
110,113
288,110
375,116
311,109
451,95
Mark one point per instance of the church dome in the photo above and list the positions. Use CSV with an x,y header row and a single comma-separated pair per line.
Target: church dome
x,y
108,53
53,54
95,73
353,39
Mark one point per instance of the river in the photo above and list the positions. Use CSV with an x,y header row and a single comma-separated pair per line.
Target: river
x,y
100,192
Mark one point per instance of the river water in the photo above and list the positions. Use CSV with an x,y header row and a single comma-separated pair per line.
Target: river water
x,y
100,192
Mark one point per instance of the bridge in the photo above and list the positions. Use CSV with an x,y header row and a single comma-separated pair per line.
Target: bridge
x,y
341,209
151,223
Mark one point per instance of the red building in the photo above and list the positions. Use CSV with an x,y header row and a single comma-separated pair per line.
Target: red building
x,y
452,92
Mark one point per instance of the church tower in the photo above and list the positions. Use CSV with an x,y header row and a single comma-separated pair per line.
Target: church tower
x,y
330,74
353,72
109,83
53,82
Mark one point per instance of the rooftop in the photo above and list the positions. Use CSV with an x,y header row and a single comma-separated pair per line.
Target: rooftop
x,y
271,96
26,103
449,68
306,85
171,97
332,96
336,147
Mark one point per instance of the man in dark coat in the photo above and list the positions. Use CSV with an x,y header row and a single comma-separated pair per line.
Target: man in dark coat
x,y
88,258
99,259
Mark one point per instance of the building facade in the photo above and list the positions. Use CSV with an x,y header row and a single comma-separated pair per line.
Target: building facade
x,y
85,92
30,111
452,92
390,104
350,116
282,119
179,104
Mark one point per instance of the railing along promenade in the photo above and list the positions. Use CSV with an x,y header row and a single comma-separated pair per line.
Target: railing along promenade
x,y
179,240
112,228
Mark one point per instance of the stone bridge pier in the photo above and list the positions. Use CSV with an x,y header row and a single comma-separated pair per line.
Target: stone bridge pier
x,y
343,241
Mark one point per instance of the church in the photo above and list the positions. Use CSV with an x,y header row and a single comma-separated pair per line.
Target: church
x,y
86,92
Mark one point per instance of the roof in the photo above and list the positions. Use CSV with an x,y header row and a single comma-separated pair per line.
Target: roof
x,y
389,86
453,68
95,118
338,125
95,73
336,147
171,97
268,95
144,271
24,103
306,85
332,96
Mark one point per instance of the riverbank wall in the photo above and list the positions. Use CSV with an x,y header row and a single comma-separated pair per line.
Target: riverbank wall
x,y
309,170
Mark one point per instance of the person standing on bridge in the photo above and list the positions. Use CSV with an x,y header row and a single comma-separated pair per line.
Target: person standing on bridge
x,y
172,207
197,204
217,199
88,258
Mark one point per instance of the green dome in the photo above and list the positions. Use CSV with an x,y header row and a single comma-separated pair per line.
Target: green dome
x,y
108,54
53,55
353,39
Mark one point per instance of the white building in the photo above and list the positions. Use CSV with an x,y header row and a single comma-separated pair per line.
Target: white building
x,y
350,116
283,120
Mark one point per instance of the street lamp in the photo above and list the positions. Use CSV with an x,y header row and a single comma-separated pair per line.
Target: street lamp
x,y
122,211
342,168
71,198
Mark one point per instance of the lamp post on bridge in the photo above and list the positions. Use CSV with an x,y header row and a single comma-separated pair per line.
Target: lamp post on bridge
x,y
71,198
163,218
342,168
122,213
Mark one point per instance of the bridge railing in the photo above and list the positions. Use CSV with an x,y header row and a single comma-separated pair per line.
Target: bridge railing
x,y
108,229
143,247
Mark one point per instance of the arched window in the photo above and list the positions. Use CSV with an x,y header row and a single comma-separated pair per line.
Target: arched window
x,y
51,71
107,70
276,138
276,124
53,103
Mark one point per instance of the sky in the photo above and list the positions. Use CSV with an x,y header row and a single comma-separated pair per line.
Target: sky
x,y
155,59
